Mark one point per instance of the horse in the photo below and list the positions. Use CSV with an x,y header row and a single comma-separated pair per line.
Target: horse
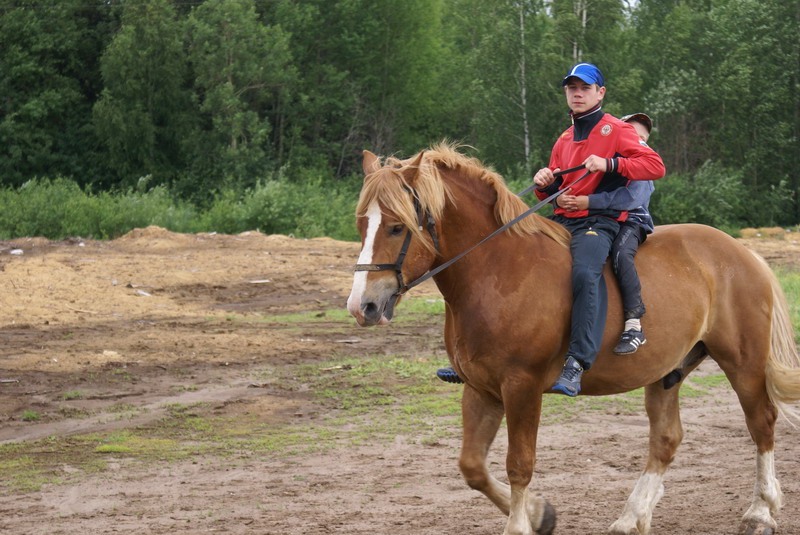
x,y
507,322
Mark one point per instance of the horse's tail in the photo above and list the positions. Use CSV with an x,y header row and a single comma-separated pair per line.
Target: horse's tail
x,y
783,361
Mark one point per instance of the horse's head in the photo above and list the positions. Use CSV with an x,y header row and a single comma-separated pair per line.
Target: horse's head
x,y
397,236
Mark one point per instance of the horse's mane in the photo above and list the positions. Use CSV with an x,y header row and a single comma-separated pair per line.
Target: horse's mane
x,y
388,185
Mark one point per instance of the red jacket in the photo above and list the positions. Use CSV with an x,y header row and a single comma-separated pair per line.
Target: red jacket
x,y
605,136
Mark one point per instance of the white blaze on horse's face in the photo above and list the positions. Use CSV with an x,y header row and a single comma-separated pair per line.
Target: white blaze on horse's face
x,y
354,305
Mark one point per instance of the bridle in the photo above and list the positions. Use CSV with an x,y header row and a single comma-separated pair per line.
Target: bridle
x,y
425,220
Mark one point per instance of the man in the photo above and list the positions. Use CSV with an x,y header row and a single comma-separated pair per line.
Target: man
x,y
612,155
633,232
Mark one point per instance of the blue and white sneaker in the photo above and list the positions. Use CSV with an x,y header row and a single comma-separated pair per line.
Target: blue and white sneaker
x,y
570,381
629,342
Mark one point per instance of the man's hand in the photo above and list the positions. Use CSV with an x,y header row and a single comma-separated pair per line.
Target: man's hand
x,y
573,203
596,164
544,177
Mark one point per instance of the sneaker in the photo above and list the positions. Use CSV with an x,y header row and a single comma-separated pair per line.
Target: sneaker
x,y
629,342
449,375
570,381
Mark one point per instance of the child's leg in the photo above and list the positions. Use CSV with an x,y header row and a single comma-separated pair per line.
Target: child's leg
x,y
623,251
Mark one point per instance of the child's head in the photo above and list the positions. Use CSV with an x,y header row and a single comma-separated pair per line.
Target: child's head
x,y
642,123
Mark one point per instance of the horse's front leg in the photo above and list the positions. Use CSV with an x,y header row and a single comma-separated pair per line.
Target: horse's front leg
x,y
528,513
482,415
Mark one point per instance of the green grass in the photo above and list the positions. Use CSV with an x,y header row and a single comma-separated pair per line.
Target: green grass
x,y
790,282
420,306
30,416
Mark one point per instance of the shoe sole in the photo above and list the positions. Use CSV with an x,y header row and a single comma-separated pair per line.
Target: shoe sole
x,y
630,352
566,391
450,378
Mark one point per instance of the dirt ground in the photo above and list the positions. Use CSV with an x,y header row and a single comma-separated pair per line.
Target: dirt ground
x,y
127,321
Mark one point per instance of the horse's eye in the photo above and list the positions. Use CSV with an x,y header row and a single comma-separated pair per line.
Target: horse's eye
x,y
397,230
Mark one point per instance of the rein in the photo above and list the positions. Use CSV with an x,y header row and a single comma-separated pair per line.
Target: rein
x,y
430,225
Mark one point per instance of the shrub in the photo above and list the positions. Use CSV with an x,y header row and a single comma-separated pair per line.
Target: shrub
x,y
711,196
58,208
309,209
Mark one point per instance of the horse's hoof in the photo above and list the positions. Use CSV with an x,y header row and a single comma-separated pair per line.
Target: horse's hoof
x,y
548,520
756,529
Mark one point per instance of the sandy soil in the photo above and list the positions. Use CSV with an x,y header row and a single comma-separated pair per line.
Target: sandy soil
x,y
127,321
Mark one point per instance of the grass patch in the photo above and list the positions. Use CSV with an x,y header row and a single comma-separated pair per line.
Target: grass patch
x,y
557,409
24,474
790,282
31,416
709,382
412,309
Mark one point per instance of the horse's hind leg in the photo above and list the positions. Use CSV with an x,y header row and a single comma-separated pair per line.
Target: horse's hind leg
x,y
760,415
666,434
482,416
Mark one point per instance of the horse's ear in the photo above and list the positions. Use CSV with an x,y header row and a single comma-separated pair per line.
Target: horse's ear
x,y
371,163
412,169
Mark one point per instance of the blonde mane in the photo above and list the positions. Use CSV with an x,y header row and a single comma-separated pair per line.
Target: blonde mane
x,y
390,186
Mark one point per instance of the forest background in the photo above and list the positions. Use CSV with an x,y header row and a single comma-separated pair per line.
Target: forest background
x,y
233,115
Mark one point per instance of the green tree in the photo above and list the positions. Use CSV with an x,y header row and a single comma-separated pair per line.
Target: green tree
x,y
48,86
754,90
669,49
509,72
241,68
144,114
369,79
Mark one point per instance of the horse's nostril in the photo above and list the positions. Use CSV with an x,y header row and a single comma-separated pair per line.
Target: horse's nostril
x,y
372,313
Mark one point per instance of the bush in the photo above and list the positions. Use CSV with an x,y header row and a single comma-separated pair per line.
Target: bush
x,y
309,209
711,196
58,209
309,204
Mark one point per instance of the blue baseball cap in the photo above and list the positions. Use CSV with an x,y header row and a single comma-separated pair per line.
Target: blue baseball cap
x,y
587,72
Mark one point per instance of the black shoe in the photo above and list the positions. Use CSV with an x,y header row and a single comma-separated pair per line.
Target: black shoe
x,y
449,375
570,381
629,342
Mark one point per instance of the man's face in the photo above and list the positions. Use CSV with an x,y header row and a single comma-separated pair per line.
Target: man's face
x,y
641,129
581,96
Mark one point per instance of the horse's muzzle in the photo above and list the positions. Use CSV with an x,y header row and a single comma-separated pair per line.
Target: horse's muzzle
x,y
369,311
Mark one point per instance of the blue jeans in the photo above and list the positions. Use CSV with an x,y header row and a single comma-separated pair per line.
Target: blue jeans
x,y
590,246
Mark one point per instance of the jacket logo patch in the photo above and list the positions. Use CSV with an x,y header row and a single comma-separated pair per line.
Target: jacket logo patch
x,y
606,129
591,233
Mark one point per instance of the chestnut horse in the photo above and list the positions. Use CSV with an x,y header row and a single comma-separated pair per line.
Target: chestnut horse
x,y
508,316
